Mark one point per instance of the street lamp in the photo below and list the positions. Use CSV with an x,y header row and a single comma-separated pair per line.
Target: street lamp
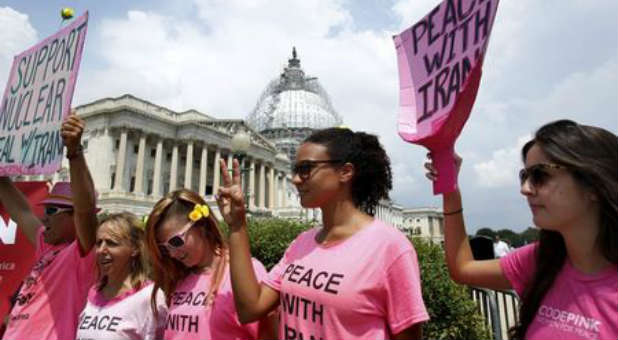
x,y
240,145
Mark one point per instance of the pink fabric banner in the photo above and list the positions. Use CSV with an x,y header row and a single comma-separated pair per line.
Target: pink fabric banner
x,y
36,99
440,60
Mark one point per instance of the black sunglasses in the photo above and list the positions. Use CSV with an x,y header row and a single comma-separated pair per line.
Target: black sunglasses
x,y
537,174
303,168
52,210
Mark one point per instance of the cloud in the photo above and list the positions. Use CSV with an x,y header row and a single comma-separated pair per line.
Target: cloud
x,y
218,56
501,169
16,35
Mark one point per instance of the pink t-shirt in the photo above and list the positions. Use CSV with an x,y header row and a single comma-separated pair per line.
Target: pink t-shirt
x,y
129,316
365,287
188,317
53,294
577,306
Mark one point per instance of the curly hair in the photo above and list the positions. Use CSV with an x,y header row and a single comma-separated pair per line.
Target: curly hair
x,y
372,168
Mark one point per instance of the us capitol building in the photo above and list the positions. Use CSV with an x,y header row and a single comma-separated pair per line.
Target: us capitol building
x,y
137,151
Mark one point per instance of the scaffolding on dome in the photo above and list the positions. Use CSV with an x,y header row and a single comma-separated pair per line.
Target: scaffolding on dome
x,y
293,101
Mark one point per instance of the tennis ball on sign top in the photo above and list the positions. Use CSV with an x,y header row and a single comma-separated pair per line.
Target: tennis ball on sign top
x,y
67,13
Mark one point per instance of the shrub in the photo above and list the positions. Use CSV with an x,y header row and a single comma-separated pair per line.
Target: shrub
x,y
453,313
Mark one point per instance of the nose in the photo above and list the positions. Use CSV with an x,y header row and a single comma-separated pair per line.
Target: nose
x,y
101,248
296,180
175,252
526,188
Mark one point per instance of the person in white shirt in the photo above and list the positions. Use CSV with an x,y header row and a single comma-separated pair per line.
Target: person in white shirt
x,y
500,247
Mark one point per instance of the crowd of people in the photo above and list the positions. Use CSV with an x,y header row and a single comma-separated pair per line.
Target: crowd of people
x,y
176,275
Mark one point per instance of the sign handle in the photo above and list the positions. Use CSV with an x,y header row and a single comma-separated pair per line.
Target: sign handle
x,y
444,162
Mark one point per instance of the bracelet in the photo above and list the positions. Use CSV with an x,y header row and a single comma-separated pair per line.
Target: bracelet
x,y
458,211
75,153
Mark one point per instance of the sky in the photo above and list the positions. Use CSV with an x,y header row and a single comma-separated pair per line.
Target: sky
x,y
546,60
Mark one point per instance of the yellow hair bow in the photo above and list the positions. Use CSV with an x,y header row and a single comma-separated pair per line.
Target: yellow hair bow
x,y
199,211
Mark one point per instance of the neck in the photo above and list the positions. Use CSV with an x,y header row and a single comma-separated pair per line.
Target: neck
x,y
117,286
208,261
583,251
341,219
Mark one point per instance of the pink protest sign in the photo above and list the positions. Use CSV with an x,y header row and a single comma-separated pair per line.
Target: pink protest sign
x,y
36,99
440,60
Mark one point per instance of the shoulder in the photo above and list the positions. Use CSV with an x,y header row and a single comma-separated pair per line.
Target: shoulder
x,y
388,236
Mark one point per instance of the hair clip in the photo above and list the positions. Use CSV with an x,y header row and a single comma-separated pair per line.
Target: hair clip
x,y
199,211
343,127
144,222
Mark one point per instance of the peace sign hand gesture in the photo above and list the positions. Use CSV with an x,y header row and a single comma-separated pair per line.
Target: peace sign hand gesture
x,y
230,198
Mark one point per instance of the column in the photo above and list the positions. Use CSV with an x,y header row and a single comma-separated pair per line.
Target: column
x,y
262,186
271,188
230,159
251,190
217,172
189,165
203,171
156,180
284,191
120,160
139,169
174,168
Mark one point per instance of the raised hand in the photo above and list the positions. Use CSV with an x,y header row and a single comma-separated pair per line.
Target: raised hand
x,y
432,173
230,198
71,132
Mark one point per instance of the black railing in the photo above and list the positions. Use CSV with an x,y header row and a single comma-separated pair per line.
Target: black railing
x,y
499,308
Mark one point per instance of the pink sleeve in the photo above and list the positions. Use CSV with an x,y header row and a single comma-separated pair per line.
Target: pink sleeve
x,y
518,267
273,278
404,300
259,270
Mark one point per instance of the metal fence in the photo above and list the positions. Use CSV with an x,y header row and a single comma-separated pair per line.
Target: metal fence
x,y
499,308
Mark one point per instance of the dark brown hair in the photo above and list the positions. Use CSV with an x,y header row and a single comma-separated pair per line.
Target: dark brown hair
x,y
590,154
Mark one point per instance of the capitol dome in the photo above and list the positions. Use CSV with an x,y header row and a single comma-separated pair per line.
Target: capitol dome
x,y
291,107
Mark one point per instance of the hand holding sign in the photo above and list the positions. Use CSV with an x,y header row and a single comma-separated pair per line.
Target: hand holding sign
x,y
440,60
71,132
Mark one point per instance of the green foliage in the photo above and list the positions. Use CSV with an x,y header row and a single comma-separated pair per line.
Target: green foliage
x,y
453,313
512,238
486,232
270,237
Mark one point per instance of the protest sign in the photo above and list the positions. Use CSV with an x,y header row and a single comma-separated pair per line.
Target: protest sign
x,y
440,60
16,251
36,99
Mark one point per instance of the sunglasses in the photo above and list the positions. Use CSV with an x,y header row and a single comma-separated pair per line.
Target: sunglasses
x,y
177,241
51,210
303,168
537,174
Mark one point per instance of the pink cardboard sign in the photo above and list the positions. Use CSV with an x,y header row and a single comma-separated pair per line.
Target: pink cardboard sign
x,y
36,99
440,60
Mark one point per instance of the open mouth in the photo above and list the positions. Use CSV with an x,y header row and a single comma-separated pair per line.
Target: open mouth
x,y
105,262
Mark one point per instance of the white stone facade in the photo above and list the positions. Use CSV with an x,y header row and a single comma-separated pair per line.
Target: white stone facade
x,y
427,223
137,151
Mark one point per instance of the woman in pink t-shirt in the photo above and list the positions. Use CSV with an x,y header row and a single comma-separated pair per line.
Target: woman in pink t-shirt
x,y
568,280
353,278
118,305
190,264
